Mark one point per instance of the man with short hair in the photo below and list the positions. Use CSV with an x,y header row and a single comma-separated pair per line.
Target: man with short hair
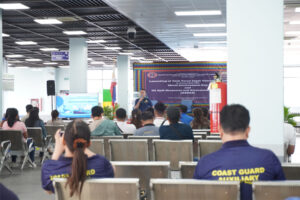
x,y
148,129
185,118
159,113
101,126
28,109
123,126
237,160
143,103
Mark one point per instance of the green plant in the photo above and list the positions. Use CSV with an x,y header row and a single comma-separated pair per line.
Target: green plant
x,y
109,111
289,117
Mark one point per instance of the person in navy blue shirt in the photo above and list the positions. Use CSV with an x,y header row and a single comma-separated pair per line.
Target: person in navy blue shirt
x,y
185,118
143,103
175,131
237,160
7,194
78,163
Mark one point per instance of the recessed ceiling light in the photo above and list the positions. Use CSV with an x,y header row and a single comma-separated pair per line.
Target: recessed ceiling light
x,y
50,63
124,53
14,56
137,58
48,49
204,25
95,41
48,21
97,63
5,35
33,59
26,43
90,59
13,6
212,42
292,33
113,48
210,34
74,32
297,9
198,12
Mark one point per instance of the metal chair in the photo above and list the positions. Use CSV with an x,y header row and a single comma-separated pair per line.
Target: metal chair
x,y
178,189
208,146
202,132
150,146
291,171
101,189
18,145
144,171
213,137
4,152
195,145
275,190
173,151
187,169
51,130
129,150
106,145
97,146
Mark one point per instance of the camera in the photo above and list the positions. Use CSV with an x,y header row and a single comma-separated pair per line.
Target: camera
x,y
131,33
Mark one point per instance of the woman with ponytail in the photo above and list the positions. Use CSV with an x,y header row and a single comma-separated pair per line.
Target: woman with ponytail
x,y
73,160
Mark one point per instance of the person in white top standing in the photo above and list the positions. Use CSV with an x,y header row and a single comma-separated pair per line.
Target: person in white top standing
x,y
122,123
159,113
289,141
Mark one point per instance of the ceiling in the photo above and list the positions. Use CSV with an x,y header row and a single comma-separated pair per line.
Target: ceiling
x,y
92,16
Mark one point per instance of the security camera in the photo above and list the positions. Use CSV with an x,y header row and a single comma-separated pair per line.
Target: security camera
x,y
131,32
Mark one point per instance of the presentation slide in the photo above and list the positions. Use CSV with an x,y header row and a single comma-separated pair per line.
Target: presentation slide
x,y
76,105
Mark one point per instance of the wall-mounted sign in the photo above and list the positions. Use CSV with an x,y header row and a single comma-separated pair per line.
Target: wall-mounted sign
x,y
60,55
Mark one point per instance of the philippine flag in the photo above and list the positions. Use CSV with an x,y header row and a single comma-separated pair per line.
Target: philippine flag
x,y
113,88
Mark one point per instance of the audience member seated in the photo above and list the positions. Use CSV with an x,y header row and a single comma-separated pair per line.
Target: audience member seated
x,y
143,103
73,160
175,131
122,124
136,118
206,113
148,129
13,123
35,121
28,109
159,113
4,119
289,141
6,194
55,121
199,121
237,160
185,118
101,126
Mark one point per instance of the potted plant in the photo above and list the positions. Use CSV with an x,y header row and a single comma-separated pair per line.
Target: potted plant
x,y
109,111
289,117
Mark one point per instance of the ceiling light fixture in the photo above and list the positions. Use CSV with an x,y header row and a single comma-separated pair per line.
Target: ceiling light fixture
x,y
137,58
14,56
95,41
297,9
204,25
198,13
13,6
50,63
210,34
127,54
33,60
113,48
97,63
48,49
64,66
48,21
26,43
74,32
5,35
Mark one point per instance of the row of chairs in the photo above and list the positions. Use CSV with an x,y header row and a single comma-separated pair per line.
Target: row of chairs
x,y
177,189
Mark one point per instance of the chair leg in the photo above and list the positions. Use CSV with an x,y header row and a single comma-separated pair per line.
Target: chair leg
x,y
8,168
25,161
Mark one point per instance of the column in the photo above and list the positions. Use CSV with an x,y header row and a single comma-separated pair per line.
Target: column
x,y
78,65
255,67
1,64
123,67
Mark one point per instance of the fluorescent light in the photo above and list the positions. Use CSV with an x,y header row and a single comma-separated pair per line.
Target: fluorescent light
x,y
26,43
113,48
48,21
95,41
14,56
50,63
137,58
204,25
48,49
210,34
64,66
97,63
90,59
13,6
292,33
297,9
124,53
74,32
198,12
5,35
15,61
33,59
213,42
294,22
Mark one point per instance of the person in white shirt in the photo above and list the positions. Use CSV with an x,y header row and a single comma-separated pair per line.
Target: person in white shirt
x,y
123,126
159,113
289,141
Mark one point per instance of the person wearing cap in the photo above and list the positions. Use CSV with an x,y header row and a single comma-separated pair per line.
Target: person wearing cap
x,y
143,103
175,131
237,160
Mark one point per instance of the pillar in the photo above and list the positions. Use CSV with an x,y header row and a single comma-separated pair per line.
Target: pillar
x,y
123,67
1,64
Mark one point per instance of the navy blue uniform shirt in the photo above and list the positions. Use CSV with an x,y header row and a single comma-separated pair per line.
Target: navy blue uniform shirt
x,y
238,161
6,194
176,132
97,167
144,105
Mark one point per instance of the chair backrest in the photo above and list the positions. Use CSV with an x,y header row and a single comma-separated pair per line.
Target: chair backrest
x,y
37,136
213,137
178,189
15,137
150,146
195,144
173,151
129,150
275,190
106,145
187,169
142,170
97,146
51,130
102,189
208,146
291,171
202,132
